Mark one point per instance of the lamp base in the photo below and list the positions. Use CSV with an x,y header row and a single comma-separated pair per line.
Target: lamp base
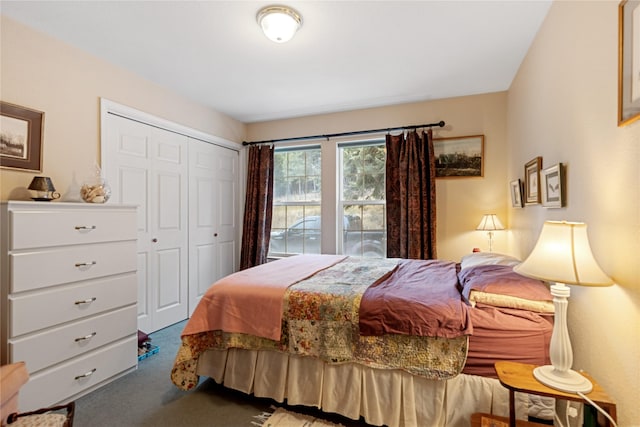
x,y
569,381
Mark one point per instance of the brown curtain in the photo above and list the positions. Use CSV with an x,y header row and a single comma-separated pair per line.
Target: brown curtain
x,y
411,196
256,227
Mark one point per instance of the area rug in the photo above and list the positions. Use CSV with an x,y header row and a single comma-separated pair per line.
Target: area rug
x,y
283,418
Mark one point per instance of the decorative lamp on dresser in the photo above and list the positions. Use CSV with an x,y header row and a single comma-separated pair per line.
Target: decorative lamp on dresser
x,y
69,292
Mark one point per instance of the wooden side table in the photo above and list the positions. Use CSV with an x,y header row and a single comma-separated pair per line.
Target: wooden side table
x,y
480,419
519,377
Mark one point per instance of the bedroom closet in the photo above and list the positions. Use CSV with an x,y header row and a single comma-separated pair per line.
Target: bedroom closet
x,y
185,189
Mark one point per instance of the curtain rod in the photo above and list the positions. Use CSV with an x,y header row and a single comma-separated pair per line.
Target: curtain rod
x,y
332,135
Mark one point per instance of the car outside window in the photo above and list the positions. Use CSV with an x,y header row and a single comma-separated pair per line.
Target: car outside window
x,y
295,227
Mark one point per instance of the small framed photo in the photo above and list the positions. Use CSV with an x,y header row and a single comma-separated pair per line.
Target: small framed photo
x,y
459,157
515,187
532,181
552,182
21,131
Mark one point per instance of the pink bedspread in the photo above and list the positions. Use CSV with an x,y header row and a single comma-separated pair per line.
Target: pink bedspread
x,y
251,301
420,298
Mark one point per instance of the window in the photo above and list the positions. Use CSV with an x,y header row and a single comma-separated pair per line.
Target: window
x,y
358,200
362,199
295,225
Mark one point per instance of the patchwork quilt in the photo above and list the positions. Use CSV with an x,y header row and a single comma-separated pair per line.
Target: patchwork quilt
x,y
321,319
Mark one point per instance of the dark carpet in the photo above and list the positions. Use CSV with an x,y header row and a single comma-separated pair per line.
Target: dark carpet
x,y
147,397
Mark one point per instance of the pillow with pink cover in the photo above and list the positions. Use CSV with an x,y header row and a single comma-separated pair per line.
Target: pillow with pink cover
x,y
500,286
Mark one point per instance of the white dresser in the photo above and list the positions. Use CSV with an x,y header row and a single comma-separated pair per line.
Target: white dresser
x,y
69,292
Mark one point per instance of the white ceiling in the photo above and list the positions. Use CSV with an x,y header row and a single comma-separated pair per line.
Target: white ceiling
x,y
347,55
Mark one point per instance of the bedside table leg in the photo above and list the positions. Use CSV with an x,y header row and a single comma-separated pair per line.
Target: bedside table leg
x,y
512,409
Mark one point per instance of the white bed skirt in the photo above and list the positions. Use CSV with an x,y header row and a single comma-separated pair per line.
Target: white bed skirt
x,y
383,397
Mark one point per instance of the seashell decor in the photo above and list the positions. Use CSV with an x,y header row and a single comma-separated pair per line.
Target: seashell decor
x,y
98,193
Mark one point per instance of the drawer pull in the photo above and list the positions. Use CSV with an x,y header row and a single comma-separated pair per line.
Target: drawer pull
x,y
85,227
85,375
86,301
86,337
85,264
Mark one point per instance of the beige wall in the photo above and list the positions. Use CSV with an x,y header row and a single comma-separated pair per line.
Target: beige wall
x,y
461,202
65,83
563,106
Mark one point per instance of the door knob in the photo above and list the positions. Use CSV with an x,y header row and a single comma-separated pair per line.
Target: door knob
x,y
215,234
154,240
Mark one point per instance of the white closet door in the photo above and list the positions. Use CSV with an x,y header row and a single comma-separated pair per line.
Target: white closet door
x,y
213,173
147,166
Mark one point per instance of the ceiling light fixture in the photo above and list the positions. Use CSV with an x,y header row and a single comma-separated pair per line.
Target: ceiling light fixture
x,y
279,23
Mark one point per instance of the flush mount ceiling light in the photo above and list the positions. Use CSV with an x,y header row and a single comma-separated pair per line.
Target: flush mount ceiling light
x,y
279,23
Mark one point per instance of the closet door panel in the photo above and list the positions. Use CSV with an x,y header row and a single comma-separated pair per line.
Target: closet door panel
x,y
206,269
168,296
169,302
212,225
147,167
133,188
227,190
203,233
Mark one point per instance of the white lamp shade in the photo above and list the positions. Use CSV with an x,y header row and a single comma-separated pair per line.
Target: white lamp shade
x,y
279,23
563,254
490,222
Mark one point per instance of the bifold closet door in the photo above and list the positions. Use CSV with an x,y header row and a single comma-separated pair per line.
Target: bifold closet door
x,y
148,166
213,177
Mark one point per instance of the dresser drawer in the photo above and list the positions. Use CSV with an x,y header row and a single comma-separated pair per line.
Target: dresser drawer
x,y
33,311
55,227
41,268
59,344
50,386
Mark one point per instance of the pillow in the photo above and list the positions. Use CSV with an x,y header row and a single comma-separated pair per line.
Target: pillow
x,y
487,258
500,286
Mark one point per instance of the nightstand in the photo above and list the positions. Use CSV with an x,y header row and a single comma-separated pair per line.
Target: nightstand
x,y
519,377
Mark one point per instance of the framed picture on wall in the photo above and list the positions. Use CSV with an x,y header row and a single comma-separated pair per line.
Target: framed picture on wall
x,y
459,157
515,188
552,184
532,181
628,62
21,131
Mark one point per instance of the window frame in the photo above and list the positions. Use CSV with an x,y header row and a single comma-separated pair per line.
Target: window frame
x,y
340,203
305,203
331,204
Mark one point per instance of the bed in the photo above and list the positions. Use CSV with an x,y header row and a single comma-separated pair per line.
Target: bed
x,y
396,342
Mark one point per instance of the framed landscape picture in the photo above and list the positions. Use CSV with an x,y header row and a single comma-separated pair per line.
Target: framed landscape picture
x,y
459,157
21,131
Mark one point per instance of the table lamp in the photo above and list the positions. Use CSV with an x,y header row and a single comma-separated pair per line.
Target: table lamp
x,y
563,255
490,223
43,188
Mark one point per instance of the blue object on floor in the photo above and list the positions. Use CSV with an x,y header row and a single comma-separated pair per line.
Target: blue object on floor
x,y
153,349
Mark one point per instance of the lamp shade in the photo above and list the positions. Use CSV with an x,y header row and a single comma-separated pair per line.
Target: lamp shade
x,y
563,254
279,23
41,183
490,222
